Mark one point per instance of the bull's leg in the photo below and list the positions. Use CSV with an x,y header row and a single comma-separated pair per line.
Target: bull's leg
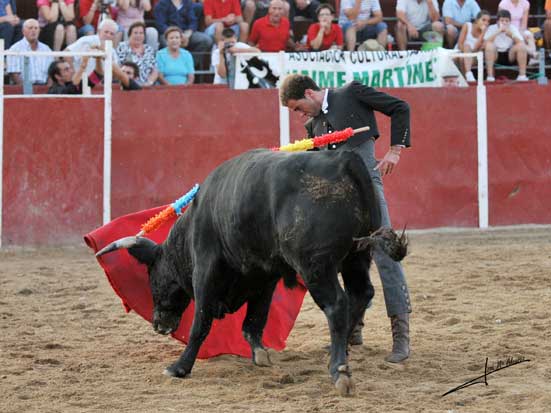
x,y
329,296
258,308
202,322
357,284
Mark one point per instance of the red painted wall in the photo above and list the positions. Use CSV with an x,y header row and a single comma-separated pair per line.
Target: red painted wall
x,y
167,139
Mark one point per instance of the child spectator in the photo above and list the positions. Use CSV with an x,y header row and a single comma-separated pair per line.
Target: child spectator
x,y
471,39
57,22
519,10
175,64
505,45
10,24
325,34
361,20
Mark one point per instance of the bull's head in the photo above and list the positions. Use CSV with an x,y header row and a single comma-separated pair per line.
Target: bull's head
x,y
169,300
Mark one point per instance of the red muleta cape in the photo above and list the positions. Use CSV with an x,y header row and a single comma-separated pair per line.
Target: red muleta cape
x,y
130,281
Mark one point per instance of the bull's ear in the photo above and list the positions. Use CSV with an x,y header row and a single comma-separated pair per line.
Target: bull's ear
x,y
145,251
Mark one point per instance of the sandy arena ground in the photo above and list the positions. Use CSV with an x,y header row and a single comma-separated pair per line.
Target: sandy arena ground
x,y
66,344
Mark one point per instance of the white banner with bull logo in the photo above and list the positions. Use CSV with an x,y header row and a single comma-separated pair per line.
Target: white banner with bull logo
x,y
334,68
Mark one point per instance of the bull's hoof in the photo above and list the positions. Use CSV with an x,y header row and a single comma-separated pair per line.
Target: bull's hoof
x,y
345,384
261,358
175,371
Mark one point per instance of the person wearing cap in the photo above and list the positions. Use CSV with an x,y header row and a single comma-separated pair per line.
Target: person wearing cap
x,y
353,105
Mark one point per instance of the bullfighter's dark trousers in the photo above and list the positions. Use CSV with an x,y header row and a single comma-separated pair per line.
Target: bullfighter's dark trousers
x,y
395,288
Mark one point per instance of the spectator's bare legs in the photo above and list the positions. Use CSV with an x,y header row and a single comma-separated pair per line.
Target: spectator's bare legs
x,y
530,44
243,32
468,61
519,53
451,35
401,35
70,34
490,54
382,38
59,36
350,38
438,27
248,11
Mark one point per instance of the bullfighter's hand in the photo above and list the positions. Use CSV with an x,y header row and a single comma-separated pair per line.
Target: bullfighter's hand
x,y
387,165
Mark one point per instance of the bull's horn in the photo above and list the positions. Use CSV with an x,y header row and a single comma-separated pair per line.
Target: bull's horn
x,y
126,242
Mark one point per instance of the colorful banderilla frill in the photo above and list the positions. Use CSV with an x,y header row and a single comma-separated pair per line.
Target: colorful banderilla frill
x,y
306,144
169,212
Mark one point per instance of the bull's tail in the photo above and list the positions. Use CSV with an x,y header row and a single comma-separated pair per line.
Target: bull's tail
x,y
396,247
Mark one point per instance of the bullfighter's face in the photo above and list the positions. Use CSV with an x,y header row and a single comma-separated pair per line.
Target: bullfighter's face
x,y
168,301
306,106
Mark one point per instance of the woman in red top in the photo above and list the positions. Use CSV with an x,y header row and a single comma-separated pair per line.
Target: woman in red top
x,y
325,34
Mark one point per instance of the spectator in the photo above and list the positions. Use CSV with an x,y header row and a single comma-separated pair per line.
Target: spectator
x,y
471,39
271,33
132,11
220,59
456,14
416,17
361,20
135,50
307,9
175,64
505,45
38,65
519,10
106,31
57,22
10,24
547,25
325,34
220,14
180,13
90,13
64,79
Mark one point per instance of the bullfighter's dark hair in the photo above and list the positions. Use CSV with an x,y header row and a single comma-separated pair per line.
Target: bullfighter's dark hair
x,y
134,67
294,86
134,25
503,13
325,6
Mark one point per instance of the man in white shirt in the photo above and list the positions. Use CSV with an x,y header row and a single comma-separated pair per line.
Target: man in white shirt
x,y
229,45
416,17
505,45
106,31
361,20
38,65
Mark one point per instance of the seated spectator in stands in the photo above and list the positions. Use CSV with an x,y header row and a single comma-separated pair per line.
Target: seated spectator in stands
x,y
38,65
271,33
10,24
220,14
135,50
221,55
547,26
361,20
106,31
57,22
180,13
471,39
90,13
132,11
519,10
416,17
504,44
325,34
175,65
456,13
305,9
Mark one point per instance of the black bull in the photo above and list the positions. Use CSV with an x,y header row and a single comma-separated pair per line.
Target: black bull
x,y
259,217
